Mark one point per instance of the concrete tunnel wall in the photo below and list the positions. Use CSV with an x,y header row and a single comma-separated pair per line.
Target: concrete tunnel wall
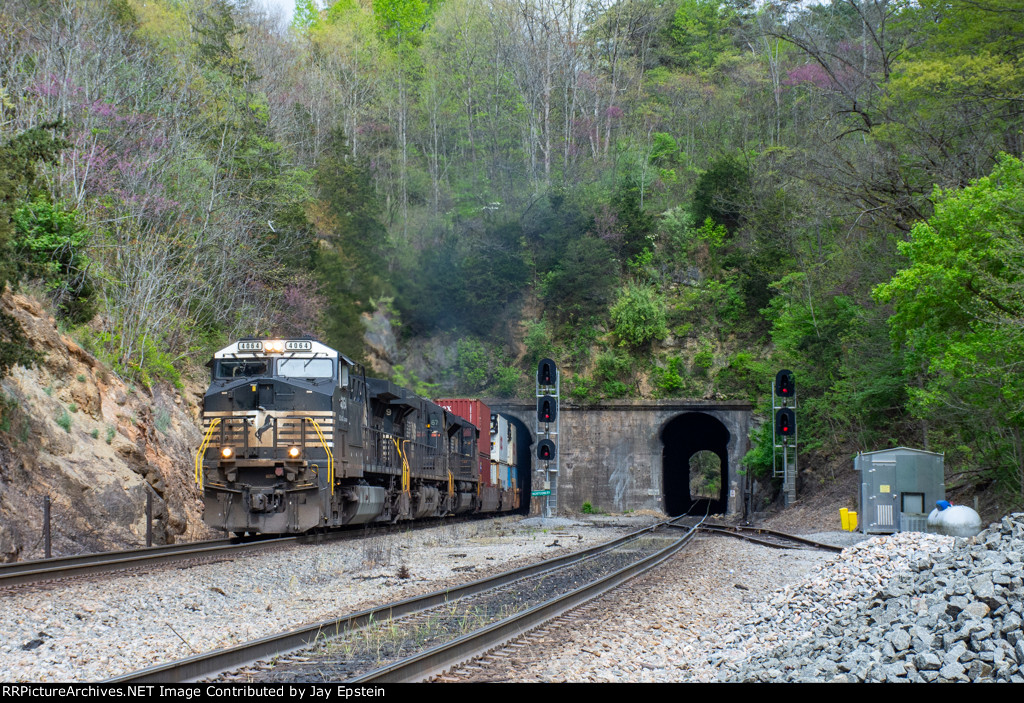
x,y
621,455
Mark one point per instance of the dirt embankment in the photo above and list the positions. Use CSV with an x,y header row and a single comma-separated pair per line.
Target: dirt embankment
x,y
72,430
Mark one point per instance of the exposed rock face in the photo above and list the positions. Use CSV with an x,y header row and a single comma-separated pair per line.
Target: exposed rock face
x,y
72,430
379,339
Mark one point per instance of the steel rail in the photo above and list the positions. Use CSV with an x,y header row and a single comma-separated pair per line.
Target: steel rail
x,y
438,659
229,658
746,533
60,562
63,567
22,572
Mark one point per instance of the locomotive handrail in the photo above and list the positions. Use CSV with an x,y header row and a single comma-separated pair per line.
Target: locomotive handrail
x,y
330,455
202,451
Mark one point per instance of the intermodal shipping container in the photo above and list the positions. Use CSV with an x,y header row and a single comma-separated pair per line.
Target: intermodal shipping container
x,y
480,415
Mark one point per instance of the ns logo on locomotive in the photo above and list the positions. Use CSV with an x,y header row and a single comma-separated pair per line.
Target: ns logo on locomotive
x,y
297,437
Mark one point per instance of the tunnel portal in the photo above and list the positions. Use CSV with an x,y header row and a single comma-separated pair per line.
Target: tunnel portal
x,y
689,444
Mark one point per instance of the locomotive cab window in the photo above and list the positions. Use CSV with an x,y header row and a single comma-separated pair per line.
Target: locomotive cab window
x,y
241,368
305,368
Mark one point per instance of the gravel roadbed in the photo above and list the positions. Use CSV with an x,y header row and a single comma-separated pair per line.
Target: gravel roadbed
x,y
95,629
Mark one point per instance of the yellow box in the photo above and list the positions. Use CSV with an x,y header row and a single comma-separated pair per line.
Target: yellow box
x,y
853,521
844,518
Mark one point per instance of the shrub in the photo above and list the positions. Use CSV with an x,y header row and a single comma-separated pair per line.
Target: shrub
x,y
50,242
638,316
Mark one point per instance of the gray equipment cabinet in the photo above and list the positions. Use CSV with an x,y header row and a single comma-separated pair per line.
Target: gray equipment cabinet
x,y
898,487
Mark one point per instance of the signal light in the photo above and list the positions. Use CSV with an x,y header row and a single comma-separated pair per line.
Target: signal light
x,y
546,409
547,372
784,385
546,450
785,422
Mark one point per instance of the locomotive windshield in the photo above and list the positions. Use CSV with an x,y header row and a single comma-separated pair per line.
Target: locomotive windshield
x,y
241,368
305,368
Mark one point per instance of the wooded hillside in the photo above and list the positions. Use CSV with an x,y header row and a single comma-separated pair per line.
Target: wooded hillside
x,y
672,198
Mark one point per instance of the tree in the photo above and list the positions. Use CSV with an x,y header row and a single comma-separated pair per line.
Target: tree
x,y
19,160
958,313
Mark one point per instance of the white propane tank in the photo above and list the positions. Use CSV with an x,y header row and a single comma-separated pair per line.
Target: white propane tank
x,y
960,521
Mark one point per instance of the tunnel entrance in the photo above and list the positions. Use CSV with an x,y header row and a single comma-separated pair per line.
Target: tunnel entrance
x,y
695,465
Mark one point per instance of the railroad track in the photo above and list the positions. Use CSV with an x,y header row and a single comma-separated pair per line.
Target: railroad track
x,y
767,538
23,573
476,669
330,650
58,568
643,548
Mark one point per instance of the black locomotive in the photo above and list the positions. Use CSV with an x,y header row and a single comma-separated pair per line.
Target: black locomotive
x,y
297,438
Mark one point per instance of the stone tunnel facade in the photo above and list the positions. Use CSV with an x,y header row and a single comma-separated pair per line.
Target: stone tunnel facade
x,y
627,456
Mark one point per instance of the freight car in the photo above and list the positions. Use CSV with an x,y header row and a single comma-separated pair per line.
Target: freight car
x,y
298,438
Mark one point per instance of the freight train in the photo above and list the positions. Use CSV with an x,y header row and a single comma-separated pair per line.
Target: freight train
x,y
297,438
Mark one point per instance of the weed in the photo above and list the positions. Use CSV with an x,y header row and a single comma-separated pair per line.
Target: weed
x,y
49,390
110,433
588,509
95,434
377,551
73,407
81,378
64,420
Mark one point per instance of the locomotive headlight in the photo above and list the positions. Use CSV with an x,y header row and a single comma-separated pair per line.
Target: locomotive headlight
x,y
294,452
275,346
227,452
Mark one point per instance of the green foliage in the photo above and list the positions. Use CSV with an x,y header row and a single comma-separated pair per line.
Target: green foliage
x,y
579,288
670,380
349,268
538,342
759,461
64,420
958,310
638,316
722,192
705,356
20,157
744,376
408,379
700,34
507,381
50,244
306,16
587,508
8,405
95,434
611,371
152,363
400,21
472,364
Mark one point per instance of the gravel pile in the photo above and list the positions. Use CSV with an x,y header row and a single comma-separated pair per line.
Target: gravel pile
x,y
908,607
